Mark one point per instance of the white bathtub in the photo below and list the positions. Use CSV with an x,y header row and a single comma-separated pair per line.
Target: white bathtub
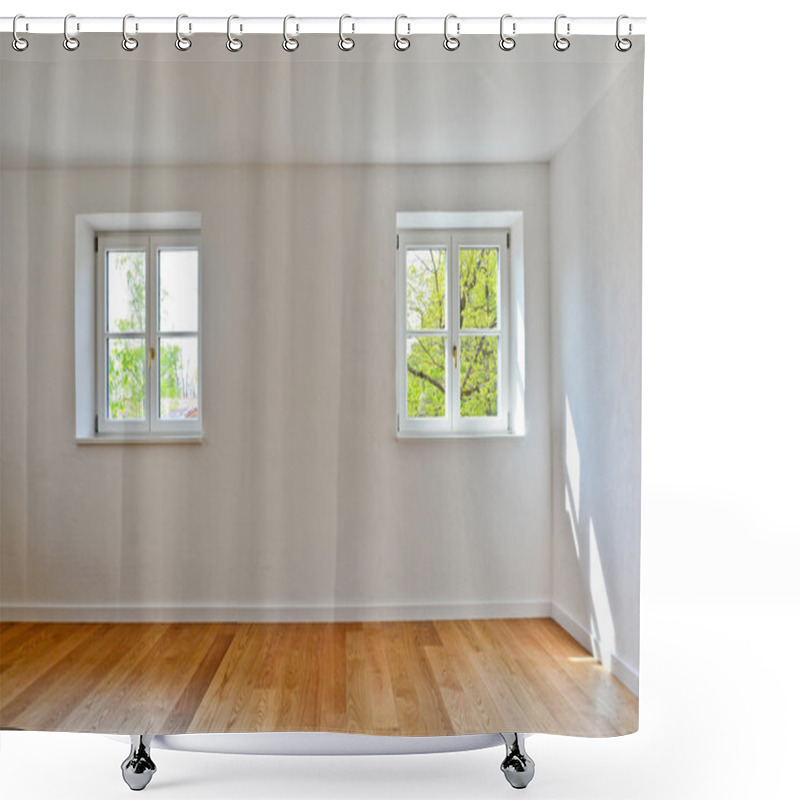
x,y
139,768
321,744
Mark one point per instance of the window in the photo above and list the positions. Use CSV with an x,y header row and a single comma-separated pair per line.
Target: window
x,y
148,334
454,332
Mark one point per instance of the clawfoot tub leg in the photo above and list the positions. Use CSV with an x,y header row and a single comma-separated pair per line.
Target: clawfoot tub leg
x,y
138,768
517,766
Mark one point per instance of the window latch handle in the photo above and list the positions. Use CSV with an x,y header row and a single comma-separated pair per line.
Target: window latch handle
x,y
152,357
455,356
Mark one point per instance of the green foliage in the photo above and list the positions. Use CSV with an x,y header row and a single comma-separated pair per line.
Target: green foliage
x,y
426,291
478,376
477,288
171,363
172,386
127,369
478,311
126,357
426,376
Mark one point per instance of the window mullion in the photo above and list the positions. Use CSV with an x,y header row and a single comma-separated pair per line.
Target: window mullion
x,y
101,376
448,356
454,364
455,383
151,336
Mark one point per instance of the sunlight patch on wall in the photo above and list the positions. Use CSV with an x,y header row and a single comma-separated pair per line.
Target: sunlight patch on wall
x,y
603,633
572,488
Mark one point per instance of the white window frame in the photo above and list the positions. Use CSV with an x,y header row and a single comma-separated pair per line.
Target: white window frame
x,y
151,426
453,424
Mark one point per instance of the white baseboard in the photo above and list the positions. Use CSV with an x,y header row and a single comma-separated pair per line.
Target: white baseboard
x,y
621,670
18,612
625,673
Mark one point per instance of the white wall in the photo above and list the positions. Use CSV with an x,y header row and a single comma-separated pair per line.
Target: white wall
x,y
300,500
596,218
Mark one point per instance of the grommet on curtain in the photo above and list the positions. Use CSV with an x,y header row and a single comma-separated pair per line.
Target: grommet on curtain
x,y
346,43
290,43
401,42
623,44
233,44
507,42
451,42
182,42
561,43
129,43
70,43
17,42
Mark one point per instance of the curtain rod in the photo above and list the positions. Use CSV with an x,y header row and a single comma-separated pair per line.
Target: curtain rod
x,y
602,26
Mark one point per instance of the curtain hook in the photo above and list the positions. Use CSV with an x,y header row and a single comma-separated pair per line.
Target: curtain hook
x,y
290,43
507,42
401,42
346,43
70,43
623,45
561,43
129,43
451,42
182,42
233,44
17,42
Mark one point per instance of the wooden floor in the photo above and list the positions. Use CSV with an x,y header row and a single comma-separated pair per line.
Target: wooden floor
x,y
402,678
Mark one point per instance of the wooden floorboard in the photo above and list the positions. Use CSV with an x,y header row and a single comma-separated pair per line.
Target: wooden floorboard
x,y
390,678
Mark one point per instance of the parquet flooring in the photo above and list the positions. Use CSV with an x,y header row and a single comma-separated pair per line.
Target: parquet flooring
x,y
398,678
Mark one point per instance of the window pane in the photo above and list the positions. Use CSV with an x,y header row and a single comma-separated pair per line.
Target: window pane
x,y
478,286
426,288
126,378
179,379
425,380
125,291
177,284
478,376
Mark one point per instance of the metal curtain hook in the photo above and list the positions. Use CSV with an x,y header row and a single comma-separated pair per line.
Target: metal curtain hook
x,y
345,42
182,42
401,42
70,42
290,43
17,42
622,44
129,42
507,42
233,44
561,43
451,42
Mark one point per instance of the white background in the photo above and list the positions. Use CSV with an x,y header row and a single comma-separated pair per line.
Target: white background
x,y
720,698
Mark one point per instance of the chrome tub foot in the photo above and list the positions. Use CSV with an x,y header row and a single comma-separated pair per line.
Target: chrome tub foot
x,y
517,766
138,768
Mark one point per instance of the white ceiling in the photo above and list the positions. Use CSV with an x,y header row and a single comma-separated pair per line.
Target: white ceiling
x,y
109,108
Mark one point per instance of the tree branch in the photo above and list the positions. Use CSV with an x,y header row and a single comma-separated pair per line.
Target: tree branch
x,y
428,353
419,374
472,364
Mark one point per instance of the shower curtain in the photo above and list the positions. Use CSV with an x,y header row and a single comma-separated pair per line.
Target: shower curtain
x,y
321,381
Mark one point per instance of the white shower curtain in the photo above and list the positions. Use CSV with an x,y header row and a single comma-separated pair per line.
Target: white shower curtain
x,y
328,336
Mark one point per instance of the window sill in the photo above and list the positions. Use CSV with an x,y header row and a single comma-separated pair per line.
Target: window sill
x,y
460,435
115,438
